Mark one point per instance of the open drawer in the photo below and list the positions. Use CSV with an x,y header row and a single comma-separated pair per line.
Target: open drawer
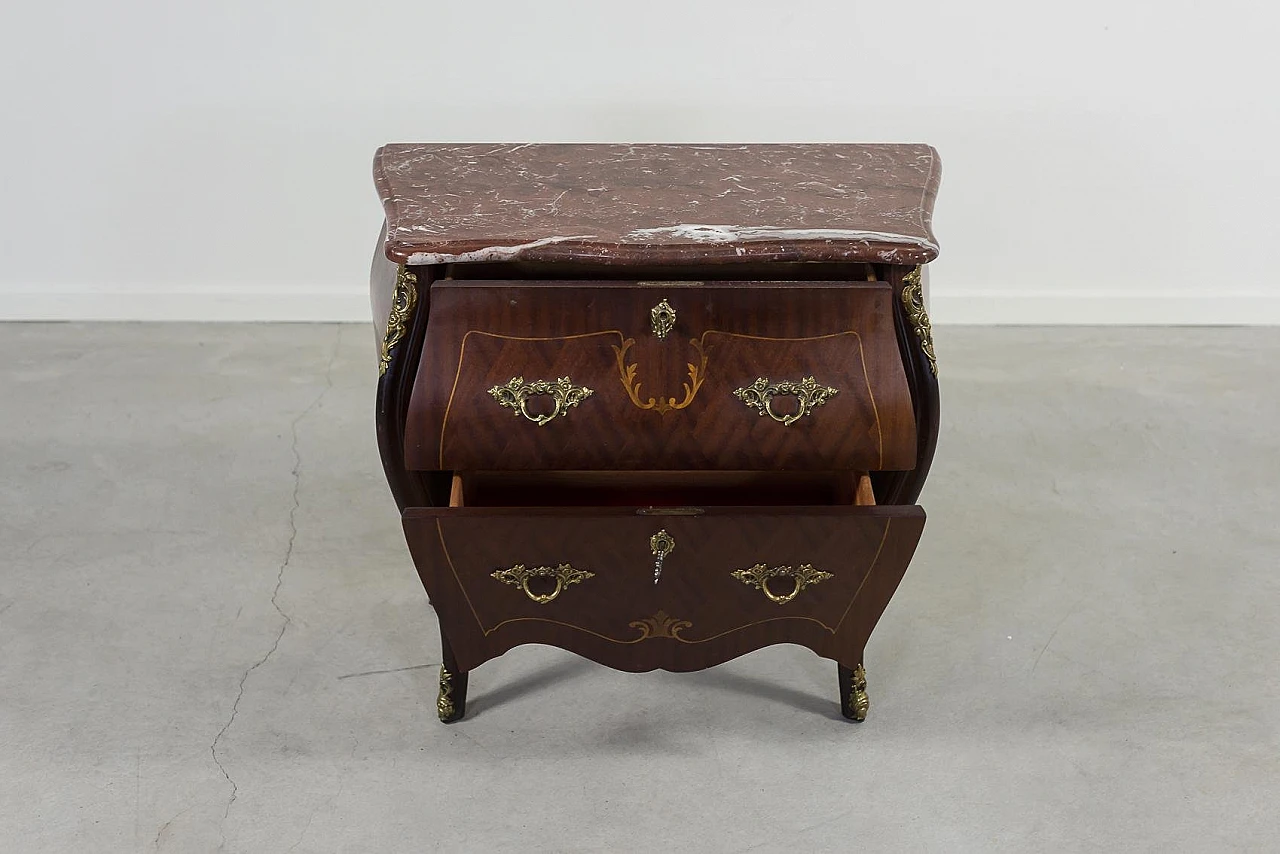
x,y
733,578
554,376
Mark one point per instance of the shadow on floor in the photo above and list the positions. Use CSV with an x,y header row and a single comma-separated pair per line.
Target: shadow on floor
x,y
714,679
563,671
767,689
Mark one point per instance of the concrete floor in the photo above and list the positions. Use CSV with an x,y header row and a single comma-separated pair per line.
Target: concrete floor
x,y
211,635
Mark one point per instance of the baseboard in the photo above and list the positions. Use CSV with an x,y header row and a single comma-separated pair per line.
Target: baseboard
x,y
1088,308
179,306
945,307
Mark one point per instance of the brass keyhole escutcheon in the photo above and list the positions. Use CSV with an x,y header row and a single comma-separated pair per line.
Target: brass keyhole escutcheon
x,y
661,544
662,318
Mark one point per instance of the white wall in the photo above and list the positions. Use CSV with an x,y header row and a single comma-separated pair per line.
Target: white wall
x,y
1103,160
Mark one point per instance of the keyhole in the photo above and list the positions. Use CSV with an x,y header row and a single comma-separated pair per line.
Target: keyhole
x,y
661,544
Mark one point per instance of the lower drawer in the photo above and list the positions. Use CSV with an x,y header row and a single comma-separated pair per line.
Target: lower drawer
x,y
733,578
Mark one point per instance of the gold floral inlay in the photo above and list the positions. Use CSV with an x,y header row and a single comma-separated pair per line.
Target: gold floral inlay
x,y
697,373
660,625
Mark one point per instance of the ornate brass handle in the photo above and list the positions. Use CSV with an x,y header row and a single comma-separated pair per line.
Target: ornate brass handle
x,y
759,576
807,392
564,575
516,393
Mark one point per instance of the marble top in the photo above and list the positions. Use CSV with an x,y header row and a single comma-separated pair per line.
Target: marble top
x,y
658,204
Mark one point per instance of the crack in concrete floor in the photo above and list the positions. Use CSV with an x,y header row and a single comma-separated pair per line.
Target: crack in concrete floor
x,y
275,593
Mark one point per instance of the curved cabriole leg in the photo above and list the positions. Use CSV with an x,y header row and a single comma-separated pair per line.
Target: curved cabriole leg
x,y
853,692
451,702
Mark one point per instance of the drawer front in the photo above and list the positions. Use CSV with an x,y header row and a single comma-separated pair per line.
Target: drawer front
x,y
735,376
732,579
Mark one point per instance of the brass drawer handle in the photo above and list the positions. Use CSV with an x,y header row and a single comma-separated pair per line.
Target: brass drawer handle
x,y
564,575
759,576
759,395
516,393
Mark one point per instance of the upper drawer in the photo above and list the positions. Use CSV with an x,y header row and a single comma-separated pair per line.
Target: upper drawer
x,y
660,375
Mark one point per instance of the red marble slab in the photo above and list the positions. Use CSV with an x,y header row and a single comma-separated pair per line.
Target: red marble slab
x,y
658,204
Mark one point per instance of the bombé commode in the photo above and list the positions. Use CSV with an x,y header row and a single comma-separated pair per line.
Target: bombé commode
x,y
658,405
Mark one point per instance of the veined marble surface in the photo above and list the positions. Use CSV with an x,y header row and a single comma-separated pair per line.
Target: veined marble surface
x,y
658,203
